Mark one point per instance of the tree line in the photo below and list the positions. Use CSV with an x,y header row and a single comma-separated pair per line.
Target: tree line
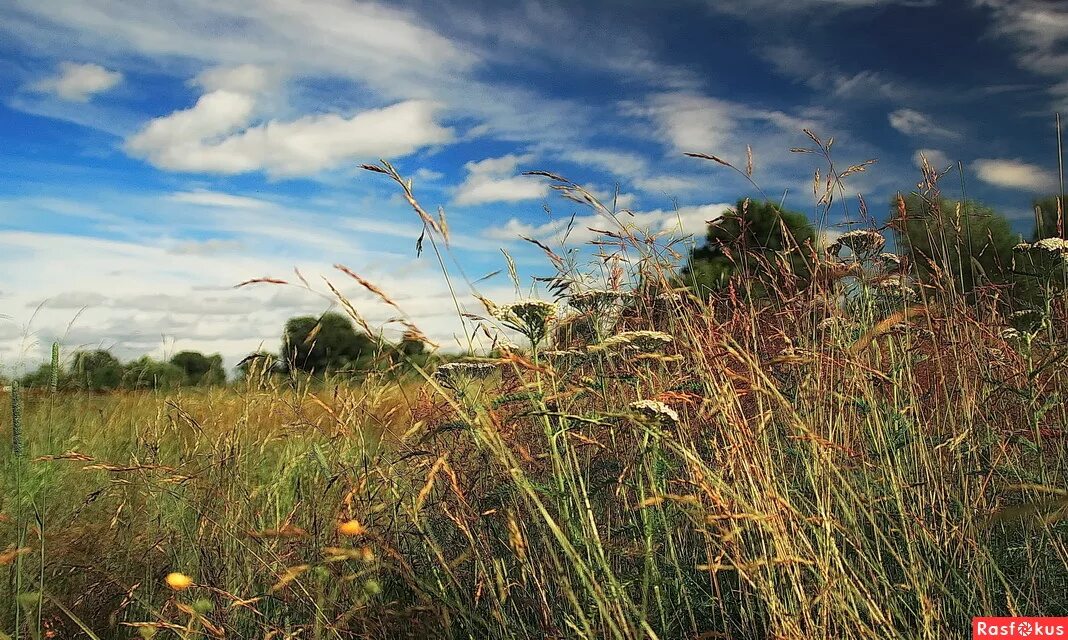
x,y
964,240
327,344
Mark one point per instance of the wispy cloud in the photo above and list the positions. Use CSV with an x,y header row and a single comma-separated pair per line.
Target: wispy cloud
x,y
1038,29
914,123
214,199
688,220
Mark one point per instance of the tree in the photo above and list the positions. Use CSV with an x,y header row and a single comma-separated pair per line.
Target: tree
x,y
328,343
146,373
41,378
970,242
199,369
96,370
1047,214
750,239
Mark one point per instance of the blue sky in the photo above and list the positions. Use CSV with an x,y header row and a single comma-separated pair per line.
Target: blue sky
x,y
156,153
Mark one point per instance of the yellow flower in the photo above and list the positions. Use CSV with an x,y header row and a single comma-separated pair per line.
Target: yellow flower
x,y
178,581
351,528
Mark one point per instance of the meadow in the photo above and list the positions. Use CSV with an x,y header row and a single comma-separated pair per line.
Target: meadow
x,y
870,451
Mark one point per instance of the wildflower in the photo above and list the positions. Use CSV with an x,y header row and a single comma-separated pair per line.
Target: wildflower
x,y
641,341
889,261
895,284
178,581
593,300
1052,245
529,317
862,242
658,411
351,528
1054,250
833,322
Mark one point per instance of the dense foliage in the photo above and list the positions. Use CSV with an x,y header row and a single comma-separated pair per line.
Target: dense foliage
x,y
758,241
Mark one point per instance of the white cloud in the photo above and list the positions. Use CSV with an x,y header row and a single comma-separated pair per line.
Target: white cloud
x,y
217,134
691,122
1038,28
699,123
669,184
422,174
1039,31
143,297
388,53
607,197
494,180
244,78
209,247
688,220
79,82
937,159
1015,174
621,163
913,123
215,199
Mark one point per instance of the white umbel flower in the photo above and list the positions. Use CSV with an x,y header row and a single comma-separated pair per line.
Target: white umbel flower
x,y
530,317
862,242
593,300
1052,247
654,410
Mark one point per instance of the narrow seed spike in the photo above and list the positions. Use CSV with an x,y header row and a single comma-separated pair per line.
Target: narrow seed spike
x,y
16,420
53,382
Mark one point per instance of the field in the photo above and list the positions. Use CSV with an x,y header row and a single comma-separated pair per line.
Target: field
x,y
645,463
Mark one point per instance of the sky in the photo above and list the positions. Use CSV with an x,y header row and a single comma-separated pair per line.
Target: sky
x,y
154,154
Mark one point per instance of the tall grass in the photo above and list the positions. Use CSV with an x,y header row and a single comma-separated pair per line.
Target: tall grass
x,y
834,459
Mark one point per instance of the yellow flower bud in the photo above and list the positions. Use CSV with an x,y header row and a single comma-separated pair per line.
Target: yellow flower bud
x,y
351,528
178,581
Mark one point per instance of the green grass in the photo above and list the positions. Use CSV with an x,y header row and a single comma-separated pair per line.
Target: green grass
x,y
859,479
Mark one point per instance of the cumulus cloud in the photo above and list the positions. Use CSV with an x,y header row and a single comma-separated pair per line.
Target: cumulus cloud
x,y
79,82
1015,174
494,180
218,135
913,123
937,159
